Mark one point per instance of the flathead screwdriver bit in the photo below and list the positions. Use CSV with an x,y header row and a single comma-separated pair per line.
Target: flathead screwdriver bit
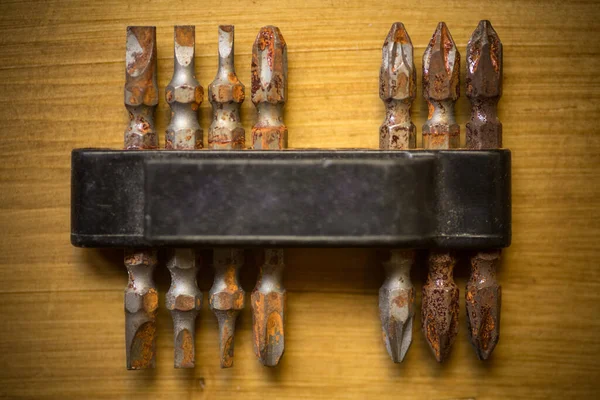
x,y
184,95
141,98
441,88
226,94
397,89
484,131
269,94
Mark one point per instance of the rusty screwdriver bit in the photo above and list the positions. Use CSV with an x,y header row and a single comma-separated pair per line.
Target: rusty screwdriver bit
x,y
441,89
184,95
226,94
141,98
484,131
184,301
441,65
269,89
269,94
227,298
397,89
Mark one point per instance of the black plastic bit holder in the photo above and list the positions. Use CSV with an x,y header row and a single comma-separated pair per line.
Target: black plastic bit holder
x,y
456,199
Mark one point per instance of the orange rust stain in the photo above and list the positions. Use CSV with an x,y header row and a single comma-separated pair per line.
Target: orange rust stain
x,y
186,344
227,353
150,300
184,35
143,345
275,327
184,302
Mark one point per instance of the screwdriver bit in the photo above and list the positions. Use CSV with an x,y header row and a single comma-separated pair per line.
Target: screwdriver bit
x,y
441,89
269,94
141,98
184,95
226,94
397,89
484,131
441,66
227,298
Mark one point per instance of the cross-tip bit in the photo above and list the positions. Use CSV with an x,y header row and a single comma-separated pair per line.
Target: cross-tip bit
x,y
397,89
396,304
439,308
269,89
441,89
484,87
483,299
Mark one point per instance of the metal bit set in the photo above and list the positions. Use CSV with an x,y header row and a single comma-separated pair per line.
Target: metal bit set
x,y
441,89
396,197
184,95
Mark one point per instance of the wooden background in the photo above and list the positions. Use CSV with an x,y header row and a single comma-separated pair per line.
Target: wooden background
x,y
61,308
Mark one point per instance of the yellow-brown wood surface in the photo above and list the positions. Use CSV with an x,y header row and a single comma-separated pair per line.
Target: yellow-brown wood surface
x,y
61,308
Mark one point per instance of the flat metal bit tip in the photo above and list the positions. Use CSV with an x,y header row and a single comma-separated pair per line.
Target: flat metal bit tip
x,y
268,310
141,303
226,94
484,87
441,89
184,94
141,89
483,298
184,301
397,89
397,304
439,309
227,298
269,89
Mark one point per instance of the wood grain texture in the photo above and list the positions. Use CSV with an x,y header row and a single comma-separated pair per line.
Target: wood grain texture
x,y
61,308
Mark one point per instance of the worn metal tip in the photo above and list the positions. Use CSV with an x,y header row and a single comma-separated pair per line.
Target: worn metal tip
x,y
184,350
484,62
397,75
483,300
269,66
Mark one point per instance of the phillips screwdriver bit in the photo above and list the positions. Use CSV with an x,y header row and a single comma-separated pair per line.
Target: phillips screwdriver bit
x,y
484,131
269,94
184,95
226,94
141,98
397,89
441,66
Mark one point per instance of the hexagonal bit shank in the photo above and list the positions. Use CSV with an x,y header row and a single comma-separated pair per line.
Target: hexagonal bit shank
x,y
484,88
141,98
226,94
441,65
141,303
440,304
269,94
184,94
397,89
441,89
184,300
227,298
484,131
269,89
268,309
397,304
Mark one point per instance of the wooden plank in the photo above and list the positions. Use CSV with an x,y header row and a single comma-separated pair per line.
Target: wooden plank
x,y
61,78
